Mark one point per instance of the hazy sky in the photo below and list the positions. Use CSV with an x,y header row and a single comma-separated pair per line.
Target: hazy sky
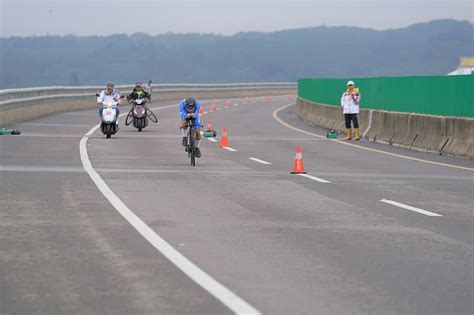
x,y
100,17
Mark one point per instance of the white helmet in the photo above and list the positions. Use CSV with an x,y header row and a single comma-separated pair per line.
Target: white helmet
x,y
350,83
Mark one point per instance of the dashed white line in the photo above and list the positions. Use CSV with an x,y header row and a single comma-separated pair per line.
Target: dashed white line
x,y
260,161
315,178
218,108
206,112
212,139
236,104
401,205
221,293
230,149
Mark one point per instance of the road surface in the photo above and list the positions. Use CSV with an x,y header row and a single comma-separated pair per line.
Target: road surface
x,y
90,225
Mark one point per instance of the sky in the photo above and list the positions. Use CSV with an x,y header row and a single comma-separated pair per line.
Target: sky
x,y
100,17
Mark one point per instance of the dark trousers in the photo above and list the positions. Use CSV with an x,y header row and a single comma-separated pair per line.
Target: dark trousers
x,y
351,117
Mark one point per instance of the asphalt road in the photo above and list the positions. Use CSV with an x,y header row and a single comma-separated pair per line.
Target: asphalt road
x,y
278,243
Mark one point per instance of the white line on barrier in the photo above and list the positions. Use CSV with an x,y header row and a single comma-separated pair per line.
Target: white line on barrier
x,y
221,293
371,113
260,161
315,178
230,149
401,205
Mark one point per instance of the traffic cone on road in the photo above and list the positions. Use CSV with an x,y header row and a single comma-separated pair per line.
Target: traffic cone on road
x,y
201,110
209,126
224,141
227,104
246,100
288,97
267,99
298,166
213,107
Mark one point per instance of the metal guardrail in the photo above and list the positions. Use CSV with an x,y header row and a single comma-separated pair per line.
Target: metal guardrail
x,y
15,98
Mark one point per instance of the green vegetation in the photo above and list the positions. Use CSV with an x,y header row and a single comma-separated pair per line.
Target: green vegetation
x,y
423,49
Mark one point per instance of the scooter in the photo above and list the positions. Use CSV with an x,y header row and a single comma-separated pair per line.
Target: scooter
x,y
109,118
139,114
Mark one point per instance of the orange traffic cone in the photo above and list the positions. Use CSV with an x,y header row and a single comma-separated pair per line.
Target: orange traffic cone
x,y
267,99
201,110
288,97
227,104
209,126
213,107
246,100
224,141
298,166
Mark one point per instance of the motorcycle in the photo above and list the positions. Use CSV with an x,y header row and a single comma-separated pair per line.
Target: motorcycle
x,y
109,118
139,114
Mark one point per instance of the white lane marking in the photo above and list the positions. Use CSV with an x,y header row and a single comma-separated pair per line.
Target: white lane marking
x,y
212,139
221,293
401,205
218,108
230,149
315,178
260,161
236,104
206,112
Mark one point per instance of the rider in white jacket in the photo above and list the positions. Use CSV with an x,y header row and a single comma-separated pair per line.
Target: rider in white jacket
x,y
350,104
110,94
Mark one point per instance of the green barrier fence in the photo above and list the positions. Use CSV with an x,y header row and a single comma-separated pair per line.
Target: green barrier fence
x,y
440,95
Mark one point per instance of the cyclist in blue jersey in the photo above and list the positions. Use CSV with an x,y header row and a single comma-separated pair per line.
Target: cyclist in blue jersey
x,y
189,109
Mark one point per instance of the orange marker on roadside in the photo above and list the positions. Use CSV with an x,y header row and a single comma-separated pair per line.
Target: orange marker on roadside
x,y
224,141
298,166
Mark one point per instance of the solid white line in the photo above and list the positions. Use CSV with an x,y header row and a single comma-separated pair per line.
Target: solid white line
x,y
401,205
230,149
260,161
221,293
315,178
206,112
212,139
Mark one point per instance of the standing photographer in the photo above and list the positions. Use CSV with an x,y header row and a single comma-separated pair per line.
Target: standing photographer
x,y
350,103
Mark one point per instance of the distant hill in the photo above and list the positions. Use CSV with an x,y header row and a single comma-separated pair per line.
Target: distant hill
x,y
430,48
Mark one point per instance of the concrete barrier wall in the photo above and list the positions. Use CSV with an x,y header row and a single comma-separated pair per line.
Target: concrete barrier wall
x,y
36,102
442,135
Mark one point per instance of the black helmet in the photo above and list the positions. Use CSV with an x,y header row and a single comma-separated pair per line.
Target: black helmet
x,y
190,104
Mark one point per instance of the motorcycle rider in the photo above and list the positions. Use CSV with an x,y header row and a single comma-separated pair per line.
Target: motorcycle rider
x,y
189,109
110,94
139,93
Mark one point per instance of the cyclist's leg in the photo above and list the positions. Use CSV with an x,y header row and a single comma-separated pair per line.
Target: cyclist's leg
x,y
184,130
198,142
197,129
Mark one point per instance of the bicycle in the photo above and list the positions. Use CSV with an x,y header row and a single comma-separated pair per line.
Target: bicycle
x,y
191,140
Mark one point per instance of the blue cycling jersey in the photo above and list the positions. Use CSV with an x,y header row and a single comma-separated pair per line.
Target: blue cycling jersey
x,y
183,112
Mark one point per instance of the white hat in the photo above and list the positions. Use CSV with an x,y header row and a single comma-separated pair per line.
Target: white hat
x,y
350,83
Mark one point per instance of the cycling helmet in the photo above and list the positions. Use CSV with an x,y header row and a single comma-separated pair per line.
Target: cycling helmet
x,y
110,85
190,104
